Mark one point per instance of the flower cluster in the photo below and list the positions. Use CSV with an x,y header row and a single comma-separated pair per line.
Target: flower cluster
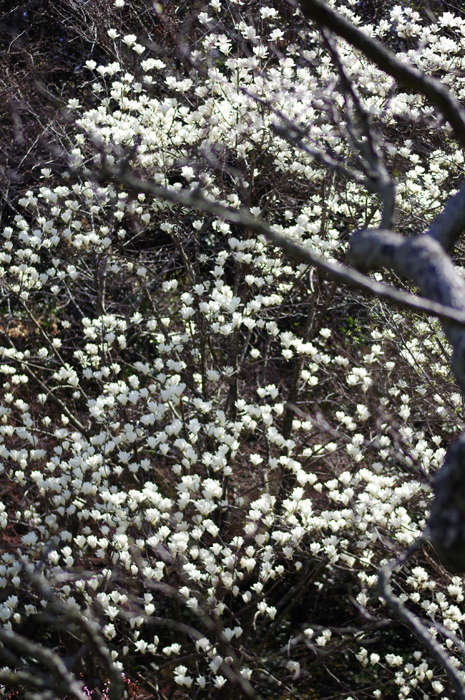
x,y
193,427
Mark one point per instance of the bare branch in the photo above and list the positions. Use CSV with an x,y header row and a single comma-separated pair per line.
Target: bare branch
x,y
449,225
48,658
407,76
342,273
422,260
419,629
367,143
87,628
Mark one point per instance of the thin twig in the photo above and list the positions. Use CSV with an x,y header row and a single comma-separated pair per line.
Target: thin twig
x,y
195,199
417,627
407,76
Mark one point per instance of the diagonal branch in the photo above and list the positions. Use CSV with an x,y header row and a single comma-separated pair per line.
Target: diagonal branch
x,y
194,199
419,629
422,260
48,658
407,76
365,143
449,225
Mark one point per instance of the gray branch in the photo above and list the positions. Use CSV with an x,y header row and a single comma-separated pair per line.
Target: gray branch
x,y
449,225
422,260
407,76
65,680
446,526
48,671
419,629
195,199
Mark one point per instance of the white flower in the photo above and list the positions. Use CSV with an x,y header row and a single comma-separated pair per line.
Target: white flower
x,y
181,677
437,686
30,538
404,412
363,412
109,631
294,668
129,39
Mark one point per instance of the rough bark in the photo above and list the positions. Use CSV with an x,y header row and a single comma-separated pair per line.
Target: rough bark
x,y
447,520
423,260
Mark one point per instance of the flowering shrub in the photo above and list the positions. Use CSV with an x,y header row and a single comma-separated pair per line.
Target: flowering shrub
x,y
209,450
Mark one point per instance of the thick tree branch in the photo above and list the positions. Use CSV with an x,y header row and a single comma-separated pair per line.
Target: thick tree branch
x,y
449,225
337,271
422,260
407,76
419,629
446,526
